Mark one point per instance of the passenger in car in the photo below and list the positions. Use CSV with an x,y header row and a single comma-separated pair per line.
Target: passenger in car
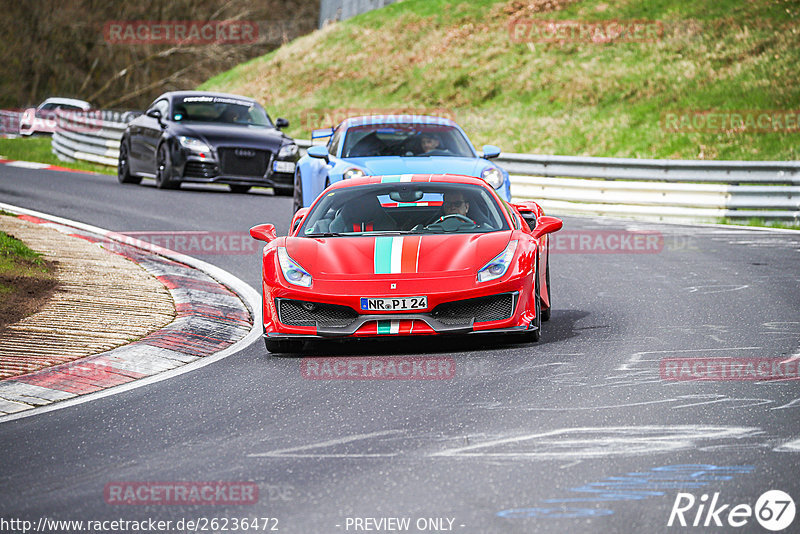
x,y
364,215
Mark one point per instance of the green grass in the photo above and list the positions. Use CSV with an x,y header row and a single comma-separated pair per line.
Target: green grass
x,y
18,261
588,99
756,221
25,279
38,149
15,256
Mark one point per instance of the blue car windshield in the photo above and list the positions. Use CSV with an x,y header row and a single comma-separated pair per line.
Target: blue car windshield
x,y
396,207
217,109
405,139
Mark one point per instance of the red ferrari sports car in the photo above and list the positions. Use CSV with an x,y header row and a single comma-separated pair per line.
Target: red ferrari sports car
x,y
406,255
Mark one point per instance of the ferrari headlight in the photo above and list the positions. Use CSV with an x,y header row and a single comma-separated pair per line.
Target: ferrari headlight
x,y
292,272
288,151
353,172
193,144
493,176
498,266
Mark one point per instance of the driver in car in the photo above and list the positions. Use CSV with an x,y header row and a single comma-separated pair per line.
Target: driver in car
x,y
428,143
454,204
455,208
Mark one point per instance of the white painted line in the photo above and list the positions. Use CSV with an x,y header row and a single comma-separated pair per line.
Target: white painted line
x,y
28,164
600,442
637,356
250,297
789,446
607,407
290,452
794,403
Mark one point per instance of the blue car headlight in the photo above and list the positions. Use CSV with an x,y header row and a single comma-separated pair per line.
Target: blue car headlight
x,y
193,144
498,266
493,176
353,172
287,151
292,271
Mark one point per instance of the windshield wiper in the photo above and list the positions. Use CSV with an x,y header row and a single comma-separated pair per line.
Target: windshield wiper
x,y
324,234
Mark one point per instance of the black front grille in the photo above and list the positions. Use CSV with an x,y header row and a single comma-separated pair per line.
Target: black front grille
x,y
243,162
200,169
492,308
300,313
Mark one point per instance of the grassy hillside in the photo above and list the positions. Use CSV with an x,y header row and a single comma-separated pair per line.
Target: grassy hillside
x,y
583,98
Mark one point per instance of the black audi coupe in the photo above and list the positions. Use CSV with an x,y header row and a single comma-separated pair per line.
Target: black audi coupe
x,y
202,137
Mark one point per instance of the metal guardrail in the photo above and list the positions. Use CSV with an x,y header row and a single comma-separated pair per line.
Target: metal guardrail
x,y
91,136
677,190
668,190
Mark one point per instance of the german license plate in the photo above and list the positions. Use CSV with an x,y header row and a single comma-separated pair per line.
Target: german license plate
x,y
394,304
283,166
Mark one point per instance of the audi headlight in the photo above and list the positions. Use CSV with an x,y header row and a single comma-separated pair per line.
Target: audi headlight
x,y
292,272
353,172
493,177
287,151
498,266
193,144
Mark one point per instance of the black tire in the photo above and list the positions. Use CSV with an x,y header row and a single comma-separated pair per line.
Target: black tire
x,y
536,325
286,346
546,313
297,192
124,175
239,189
164,169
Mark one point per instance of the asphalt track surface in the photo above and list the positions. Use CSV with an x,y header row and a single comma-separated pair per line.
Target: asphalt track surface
x,y
575,433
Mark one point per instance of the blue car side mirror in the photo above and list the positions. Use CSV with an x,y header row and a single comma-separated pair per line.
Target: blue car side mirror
x,y
490,151
319,151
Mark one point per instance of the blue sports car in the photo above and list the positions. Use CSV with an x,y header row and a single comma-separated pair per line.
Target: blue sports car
x,y
393,144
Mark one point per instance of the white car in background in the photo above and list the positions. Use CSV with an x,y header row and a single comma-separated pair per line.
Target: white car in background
x,y
42,119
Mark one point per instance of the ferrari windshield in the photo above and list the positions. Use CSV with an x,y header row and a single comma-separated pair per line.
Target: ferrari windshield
x,y
404,208
219,109
405,139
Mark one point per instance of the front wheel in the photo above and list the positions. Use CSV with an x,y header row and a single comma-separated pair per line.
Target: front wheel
x,y
124,175
297,201
536,325
164,170
546,313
